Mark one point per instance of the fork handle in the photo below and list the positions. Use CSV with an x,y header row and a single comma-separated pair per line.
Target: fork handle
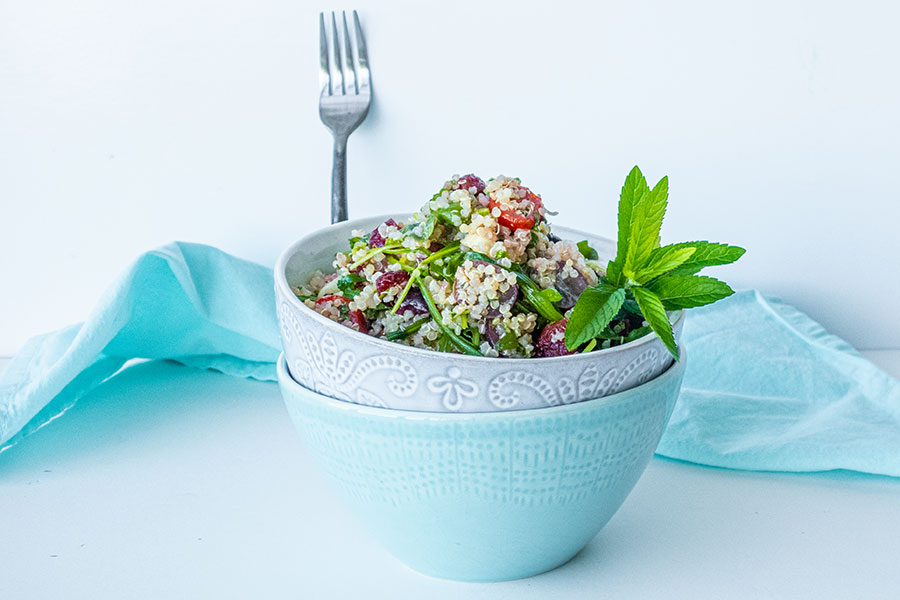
x,y
339,181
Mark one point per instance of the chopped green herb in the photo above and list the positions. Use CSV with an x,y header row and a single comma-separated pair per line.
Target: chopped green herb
x,y
508,342
586,250
347,285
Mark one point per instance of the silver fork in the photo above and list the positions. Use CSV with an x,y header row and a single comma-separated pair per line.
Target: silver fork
x,y
344,100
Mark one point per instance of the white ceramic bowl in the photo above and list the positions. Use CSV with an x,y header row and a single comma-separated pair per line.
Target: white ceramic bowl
x,y
342,363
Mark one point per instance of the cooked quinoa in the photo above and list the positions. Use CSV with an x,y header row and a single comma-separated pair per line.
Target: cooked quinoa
x,y
476,270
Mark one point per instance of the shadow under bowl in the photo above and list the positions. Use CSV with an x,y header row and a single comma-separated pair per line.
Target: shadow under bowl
x,y
485,496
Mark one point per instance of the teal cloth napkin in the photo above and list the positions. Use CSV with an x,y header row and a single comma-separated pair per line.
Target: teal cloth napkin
x,y
188,302
766,388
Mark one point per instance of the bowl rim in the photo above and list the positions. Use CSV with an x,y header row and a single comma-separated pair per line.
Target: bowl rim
x,y
675,370
284,287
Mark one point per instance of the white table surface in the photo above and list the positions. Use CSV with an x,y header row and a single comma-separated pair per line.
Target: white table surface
x,y
172,483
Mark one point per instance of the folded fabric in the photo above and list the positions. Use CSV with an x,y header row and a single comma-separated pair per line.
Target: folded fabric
x,y
766,388
188,302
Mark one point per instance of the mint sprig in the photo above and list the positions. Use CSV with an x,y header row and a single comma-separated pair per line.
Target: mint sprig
x,y
644,274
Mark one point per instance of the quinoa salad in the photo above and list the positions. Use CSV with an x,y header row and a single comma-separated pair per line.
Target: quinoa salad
x,y
475,271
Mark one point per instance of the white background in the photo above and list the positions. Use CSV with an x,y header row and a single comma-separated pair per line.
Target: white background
x,y
124,125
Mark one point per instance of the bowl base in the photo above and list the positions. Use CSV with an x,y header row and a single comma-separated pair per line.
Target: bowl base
x,y
505,575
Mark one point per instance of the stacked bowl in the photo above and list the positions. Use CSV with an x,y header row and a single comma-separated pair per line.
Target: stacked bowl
x,y
469,468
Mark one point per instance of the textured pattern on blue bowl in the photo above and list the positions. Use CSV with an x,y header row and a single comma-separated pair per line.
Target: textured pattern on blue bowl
x,y
486,496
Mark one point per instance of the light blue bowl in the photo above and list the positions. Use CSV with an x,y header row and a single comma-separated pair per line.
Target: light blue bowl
x,y
485,496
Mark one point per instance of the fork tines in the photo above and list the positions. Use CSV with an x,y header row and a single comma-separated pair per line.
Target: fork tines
x,y
341,70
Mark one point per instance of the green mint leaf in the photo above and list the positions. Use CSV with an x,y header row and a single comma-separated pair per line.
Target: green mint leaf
x,y
689,291
632,191
614,273
586,250
707,254
662,260
655,314
593,311
646,222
